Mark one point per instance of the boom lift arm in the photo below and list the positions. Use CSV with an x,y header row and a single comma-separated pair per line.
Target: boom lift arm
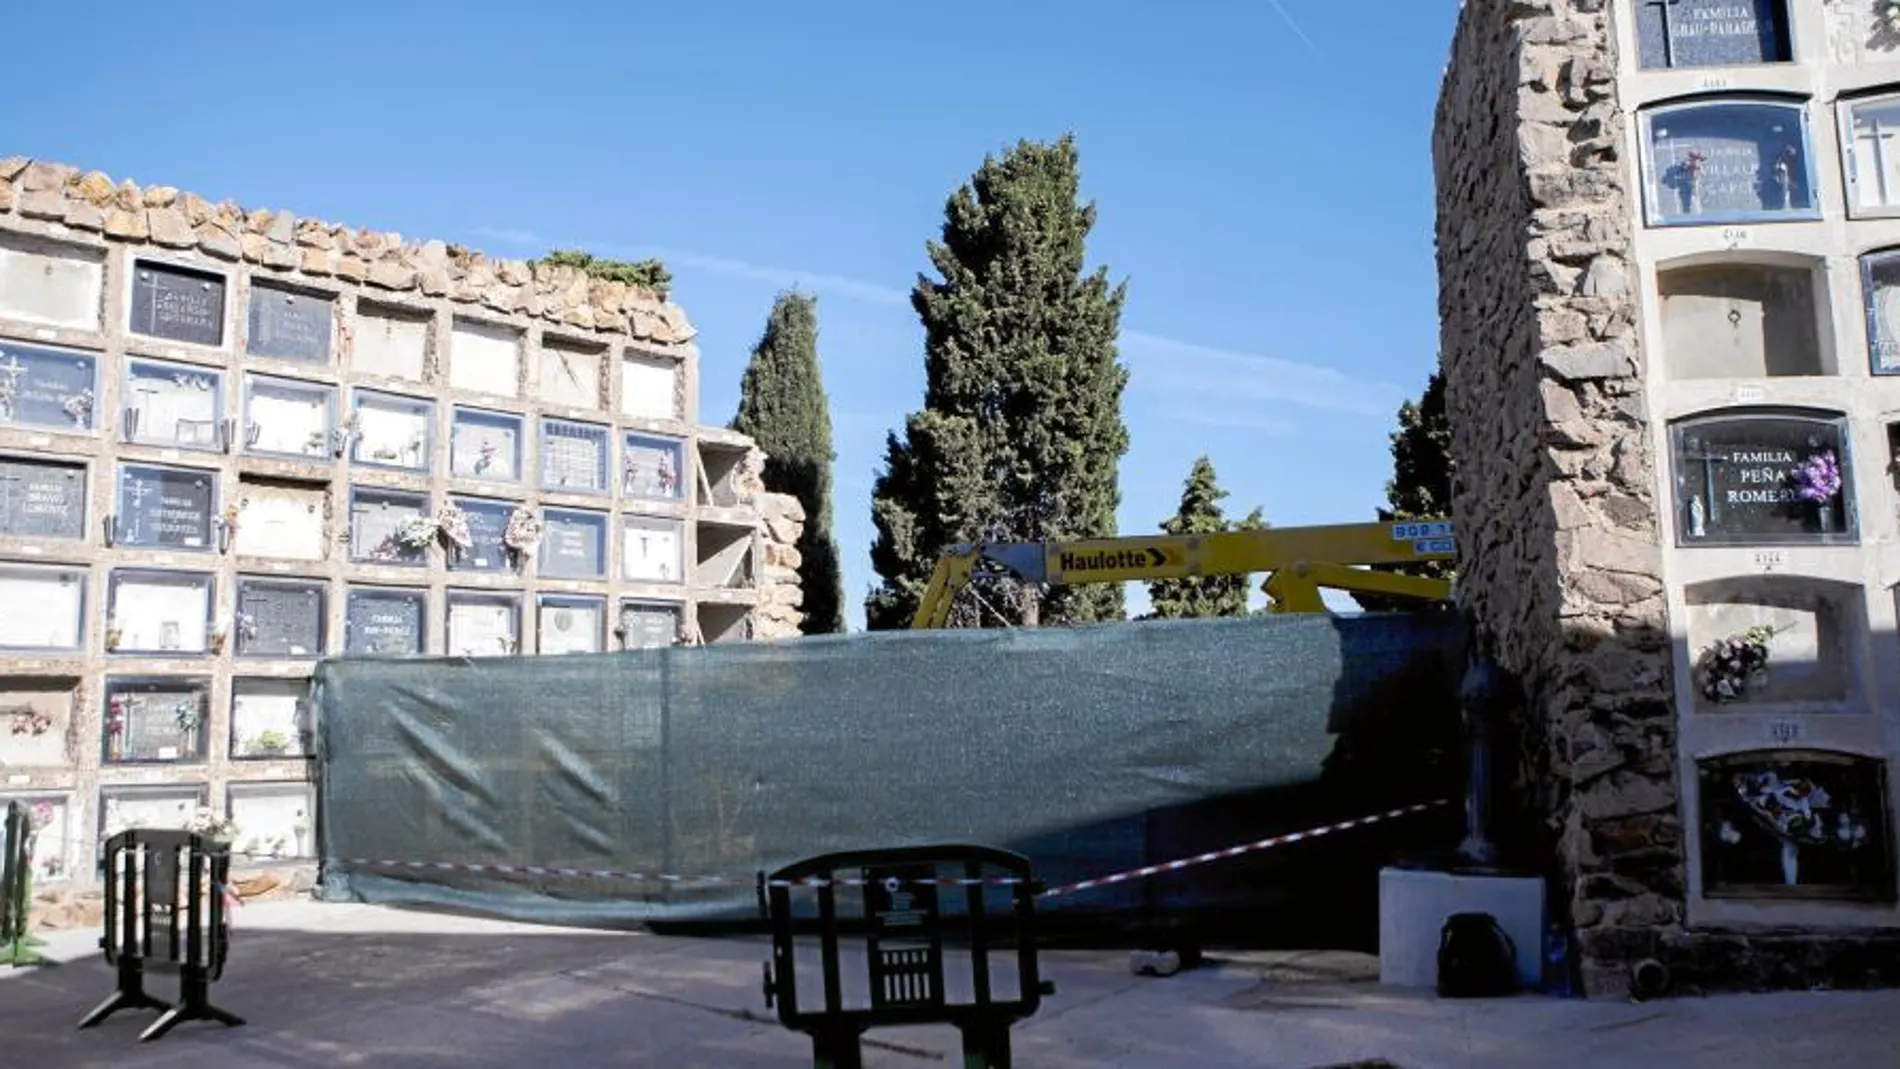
x,y
1298,561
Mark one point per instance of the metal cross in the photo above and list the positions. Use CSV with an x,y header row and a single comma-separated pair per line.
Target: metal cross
x,y
1875,136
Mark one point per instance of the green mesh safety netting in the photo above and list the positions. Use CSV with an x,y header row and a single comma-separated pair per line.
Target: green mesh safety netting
x,y
1090,749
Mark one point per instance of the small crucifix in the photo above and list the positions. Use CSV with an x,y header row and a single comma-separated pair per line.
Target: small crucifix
x,y
1875,136
1695,449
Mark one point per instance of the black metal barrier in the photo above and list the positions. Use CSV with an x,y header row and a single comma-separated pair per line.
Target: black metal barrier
x,y
153,881
905,924
17,945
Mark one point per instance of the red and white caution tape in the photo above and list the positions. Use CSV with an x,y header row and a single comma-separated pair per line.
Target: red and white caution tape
x,y
1245,848
623,876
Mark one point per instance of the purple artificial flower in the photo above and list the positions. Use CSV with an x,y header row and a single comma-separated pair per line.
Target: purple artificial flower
x,y
1818,478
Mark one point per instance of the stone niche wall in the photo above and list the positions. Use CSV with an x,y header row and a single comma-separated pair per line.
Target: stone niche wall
x,y
1559,556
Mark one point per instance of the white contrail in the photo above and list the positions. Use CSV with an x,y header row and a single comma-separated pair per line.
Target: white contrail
x,y
1295,27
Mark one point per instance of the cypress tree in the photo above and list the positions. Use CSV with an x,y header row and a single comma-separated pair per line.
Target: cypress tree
x,y
1020,435
782,407
1420,487
1200,513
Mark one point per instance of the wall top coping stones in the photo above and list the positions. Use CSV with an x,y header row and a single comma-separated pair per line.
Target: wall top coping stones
x,y
45,190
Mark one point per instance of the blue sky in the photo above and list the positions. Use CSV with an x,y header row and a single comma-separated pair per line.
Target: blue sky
x,y
1262,171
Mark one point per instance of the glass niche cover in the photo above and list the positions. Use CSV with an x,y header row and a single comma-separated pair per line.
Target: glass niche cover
x,y
1795,824
1880,290
392,431
485,445
1728,161
650,467
54,389
173,405
156,718
287,417
1762,477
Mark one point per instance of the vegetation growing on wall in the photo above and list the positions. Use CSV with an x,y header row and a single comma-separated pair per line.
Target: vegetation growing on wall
x,y
648,274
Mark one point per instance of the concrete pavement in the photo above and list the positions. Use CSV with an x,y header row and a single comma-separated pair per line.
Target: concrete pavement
x,y
325,985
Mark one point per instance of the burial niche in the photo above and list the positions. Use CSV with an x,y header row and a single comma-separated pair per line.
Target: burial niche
x,y
485,445
49,849
1711,33
160,808
1795,824
173,405
1872,163
653,467
649,624
650,387
1763,477
49,388
487,549
42,498
570,373
270,718
725,556
156,718
574,545
273,819
720,623
281,618
36,719
392,342
484,358
1782,642
392,431
573,456
652,549
52,283
390,526
289,418
1735,320
482,625
384,620
176,303
1880,298
154,612
279,519
570,624
46,607
289,325
166,508
1734,160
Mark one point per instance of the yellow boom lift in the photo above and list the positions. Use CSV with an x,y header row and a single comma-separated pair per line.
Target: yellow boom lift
x,y
1298,562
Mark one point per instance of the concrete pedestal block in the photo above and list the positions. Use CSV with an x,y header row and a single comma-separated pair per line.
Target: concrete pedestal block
x,y
1413,906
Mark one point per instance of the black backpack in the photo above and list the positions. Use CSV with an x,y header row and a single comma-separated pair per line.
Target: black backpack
x,y
1476,959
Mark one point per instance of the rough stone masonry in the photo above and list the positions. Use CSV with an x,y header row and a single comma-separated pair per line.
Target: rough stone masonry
x,y
1559,553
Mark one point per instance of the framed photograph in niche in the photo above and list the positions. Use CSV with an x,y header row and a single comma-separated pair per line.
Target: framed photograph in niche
x,y
54,389
652,549
43,498
168,404
156,718
573,544
288,417
649,624
485,445
1763,477
51,845
51,282
166,508
649,386
487,526
571,624
390,526
280,618
158,612
570,373
46,607
1711,33
384,620
392,342
653,467
1727,161
273,819
270,718
288,325
175,303
573,456
280,519
393,431
36,722
1795,824
485,358
482,624
167,808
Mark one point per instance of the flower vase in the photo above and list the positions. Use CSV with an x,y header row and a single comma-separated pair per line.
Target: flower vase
x,y
1825,515
1790,864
